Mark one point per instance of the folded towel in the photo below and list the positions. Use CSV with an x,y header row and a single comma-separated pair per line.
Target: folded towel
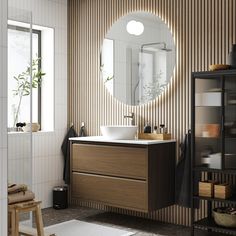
x,y
16,188
20,197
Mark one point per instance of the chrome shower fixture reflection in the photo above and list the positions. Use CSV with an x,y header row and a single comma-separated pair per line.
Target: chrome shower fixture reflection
x,y
164,48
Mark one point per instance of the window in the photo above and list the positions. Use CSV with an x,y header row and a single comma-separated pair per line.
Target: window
x,y
18,61
106,66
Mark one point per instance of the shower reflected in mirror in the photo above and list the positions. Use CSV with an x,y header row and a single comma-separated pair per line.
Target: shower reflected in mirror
x,y
137,68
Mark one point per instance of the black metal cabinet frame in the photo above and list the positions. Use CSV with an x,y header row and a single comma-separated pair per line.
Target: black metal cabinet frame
x,y
207,224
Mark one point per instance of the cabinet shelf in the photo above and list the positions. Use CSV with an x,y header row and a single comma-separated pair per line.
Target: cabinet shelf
x,y
209,223
213,74
231,200
230,105
201,137
200,232
226,137
207,169
208,106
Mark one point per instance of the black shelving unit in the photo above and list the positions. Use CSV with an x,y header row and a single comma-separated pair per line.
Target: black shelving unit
x,y
213,146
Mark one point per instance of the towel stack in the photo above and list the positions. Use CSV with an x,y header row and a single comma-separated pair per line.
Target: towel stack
x,y
19,193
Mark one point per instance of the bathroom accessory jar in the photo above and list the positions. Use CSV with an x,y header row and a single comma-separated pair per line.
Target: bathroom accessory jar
x,y
34,126
147,128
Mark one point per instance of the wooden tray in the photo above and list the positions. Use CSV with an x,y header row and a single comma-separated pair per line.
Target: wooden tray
x,y
152,136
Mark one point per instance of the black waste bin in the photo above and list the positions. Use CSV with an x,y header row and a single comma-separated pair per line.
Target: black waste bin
x,y
60,197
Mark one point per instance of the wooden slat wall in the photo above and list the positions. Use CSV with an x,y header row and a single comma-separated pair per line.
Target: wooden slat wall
x,y
203,30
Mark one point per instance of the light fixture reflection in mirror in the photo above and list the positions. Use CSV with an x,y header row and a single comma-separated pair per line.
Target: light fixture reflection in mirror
x,y
135,27
136,69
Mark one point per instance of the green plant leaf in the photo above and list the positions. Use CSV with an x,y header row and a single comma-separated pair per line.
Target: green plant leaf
x,y
23,85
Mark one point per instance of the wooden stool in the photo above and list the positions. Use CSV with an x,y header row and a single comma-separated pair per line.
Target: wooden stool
x,y
15,209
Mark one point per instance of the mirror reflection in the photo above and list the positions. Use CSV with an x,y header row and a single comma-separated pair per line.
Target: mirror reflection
x,y
137,58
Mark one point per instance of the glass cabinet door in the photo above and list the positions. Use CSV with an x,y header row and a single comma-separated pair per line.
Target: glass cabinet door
x,y
208,120
230,122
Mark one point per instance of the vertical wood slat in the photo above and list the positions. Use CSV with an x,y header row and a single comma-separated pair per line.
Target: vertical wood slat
x,y
203,32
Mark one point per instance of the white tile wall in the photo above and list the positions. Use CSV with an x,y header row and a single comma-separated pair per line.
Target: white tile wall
x,y
19,158
47,165
3,118
47,162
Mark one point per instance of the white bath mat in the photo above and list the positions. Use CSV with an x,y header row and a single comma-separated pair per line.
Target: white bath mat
x,y
81,228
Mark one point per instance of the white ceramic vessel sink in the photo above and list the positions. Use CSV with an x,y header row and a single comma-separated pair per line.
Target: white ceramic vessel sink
x,y
115,132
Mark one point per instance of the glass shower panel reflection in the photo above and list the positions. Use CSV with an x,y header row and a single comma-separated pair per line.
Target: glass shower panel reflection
x,y
19,96
152,75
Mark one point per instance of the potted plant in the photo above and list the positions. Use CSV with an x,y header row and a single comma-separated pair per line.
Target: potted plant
x,y
23,84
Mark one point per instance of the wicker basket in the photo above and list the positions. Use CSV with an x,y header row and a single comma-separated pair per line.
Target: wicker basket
x,y
219,67
224,219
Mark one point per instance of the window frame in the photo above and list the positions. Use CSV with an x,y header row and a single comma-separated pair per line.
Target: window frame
x,y
39,34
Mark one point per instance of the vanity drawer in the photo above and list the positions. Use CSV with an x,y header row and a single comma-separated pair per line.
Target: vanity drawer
x,y
112,191
118,161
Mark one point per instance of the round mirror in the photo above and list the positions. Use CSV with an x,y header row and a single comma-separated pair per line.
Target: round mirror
x,y
137,58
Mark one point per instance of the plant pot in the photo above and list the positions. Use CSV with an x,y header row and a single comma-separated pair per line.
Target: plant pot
x,y
232,57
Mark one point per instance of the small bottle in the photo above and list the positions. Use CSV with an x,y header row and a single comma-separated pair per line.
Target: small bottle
x,y
163,129
155,130
162,126
147,128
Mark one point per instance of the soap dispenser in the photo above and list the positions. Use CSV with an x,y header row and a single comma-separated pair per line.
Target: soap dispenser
x,y
147,128
82,130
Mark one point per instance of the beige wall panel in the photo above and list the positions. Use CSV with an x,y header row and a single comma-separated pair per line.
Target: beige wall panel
x,y
203,30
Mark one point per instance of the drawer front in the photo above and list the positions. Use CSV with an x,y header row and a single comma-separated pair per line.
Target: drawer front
x,y
110,160
118,192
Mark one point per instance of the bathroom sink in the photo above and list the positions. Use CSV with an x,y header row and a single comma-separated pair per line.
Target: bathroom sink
x,y
119,132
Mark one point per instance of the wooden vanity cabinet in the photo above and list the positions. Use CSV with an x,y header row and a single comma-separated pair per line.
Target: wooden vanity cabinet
x,y
136,177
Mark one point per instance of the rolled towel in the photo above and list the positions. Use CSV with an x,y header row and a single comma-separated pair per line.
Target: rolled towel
x,y
16,188
20,197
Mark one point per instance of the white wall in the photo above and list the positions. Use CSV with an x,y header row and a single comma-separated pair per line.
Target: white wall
x,y
3,117
47,159
47,162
